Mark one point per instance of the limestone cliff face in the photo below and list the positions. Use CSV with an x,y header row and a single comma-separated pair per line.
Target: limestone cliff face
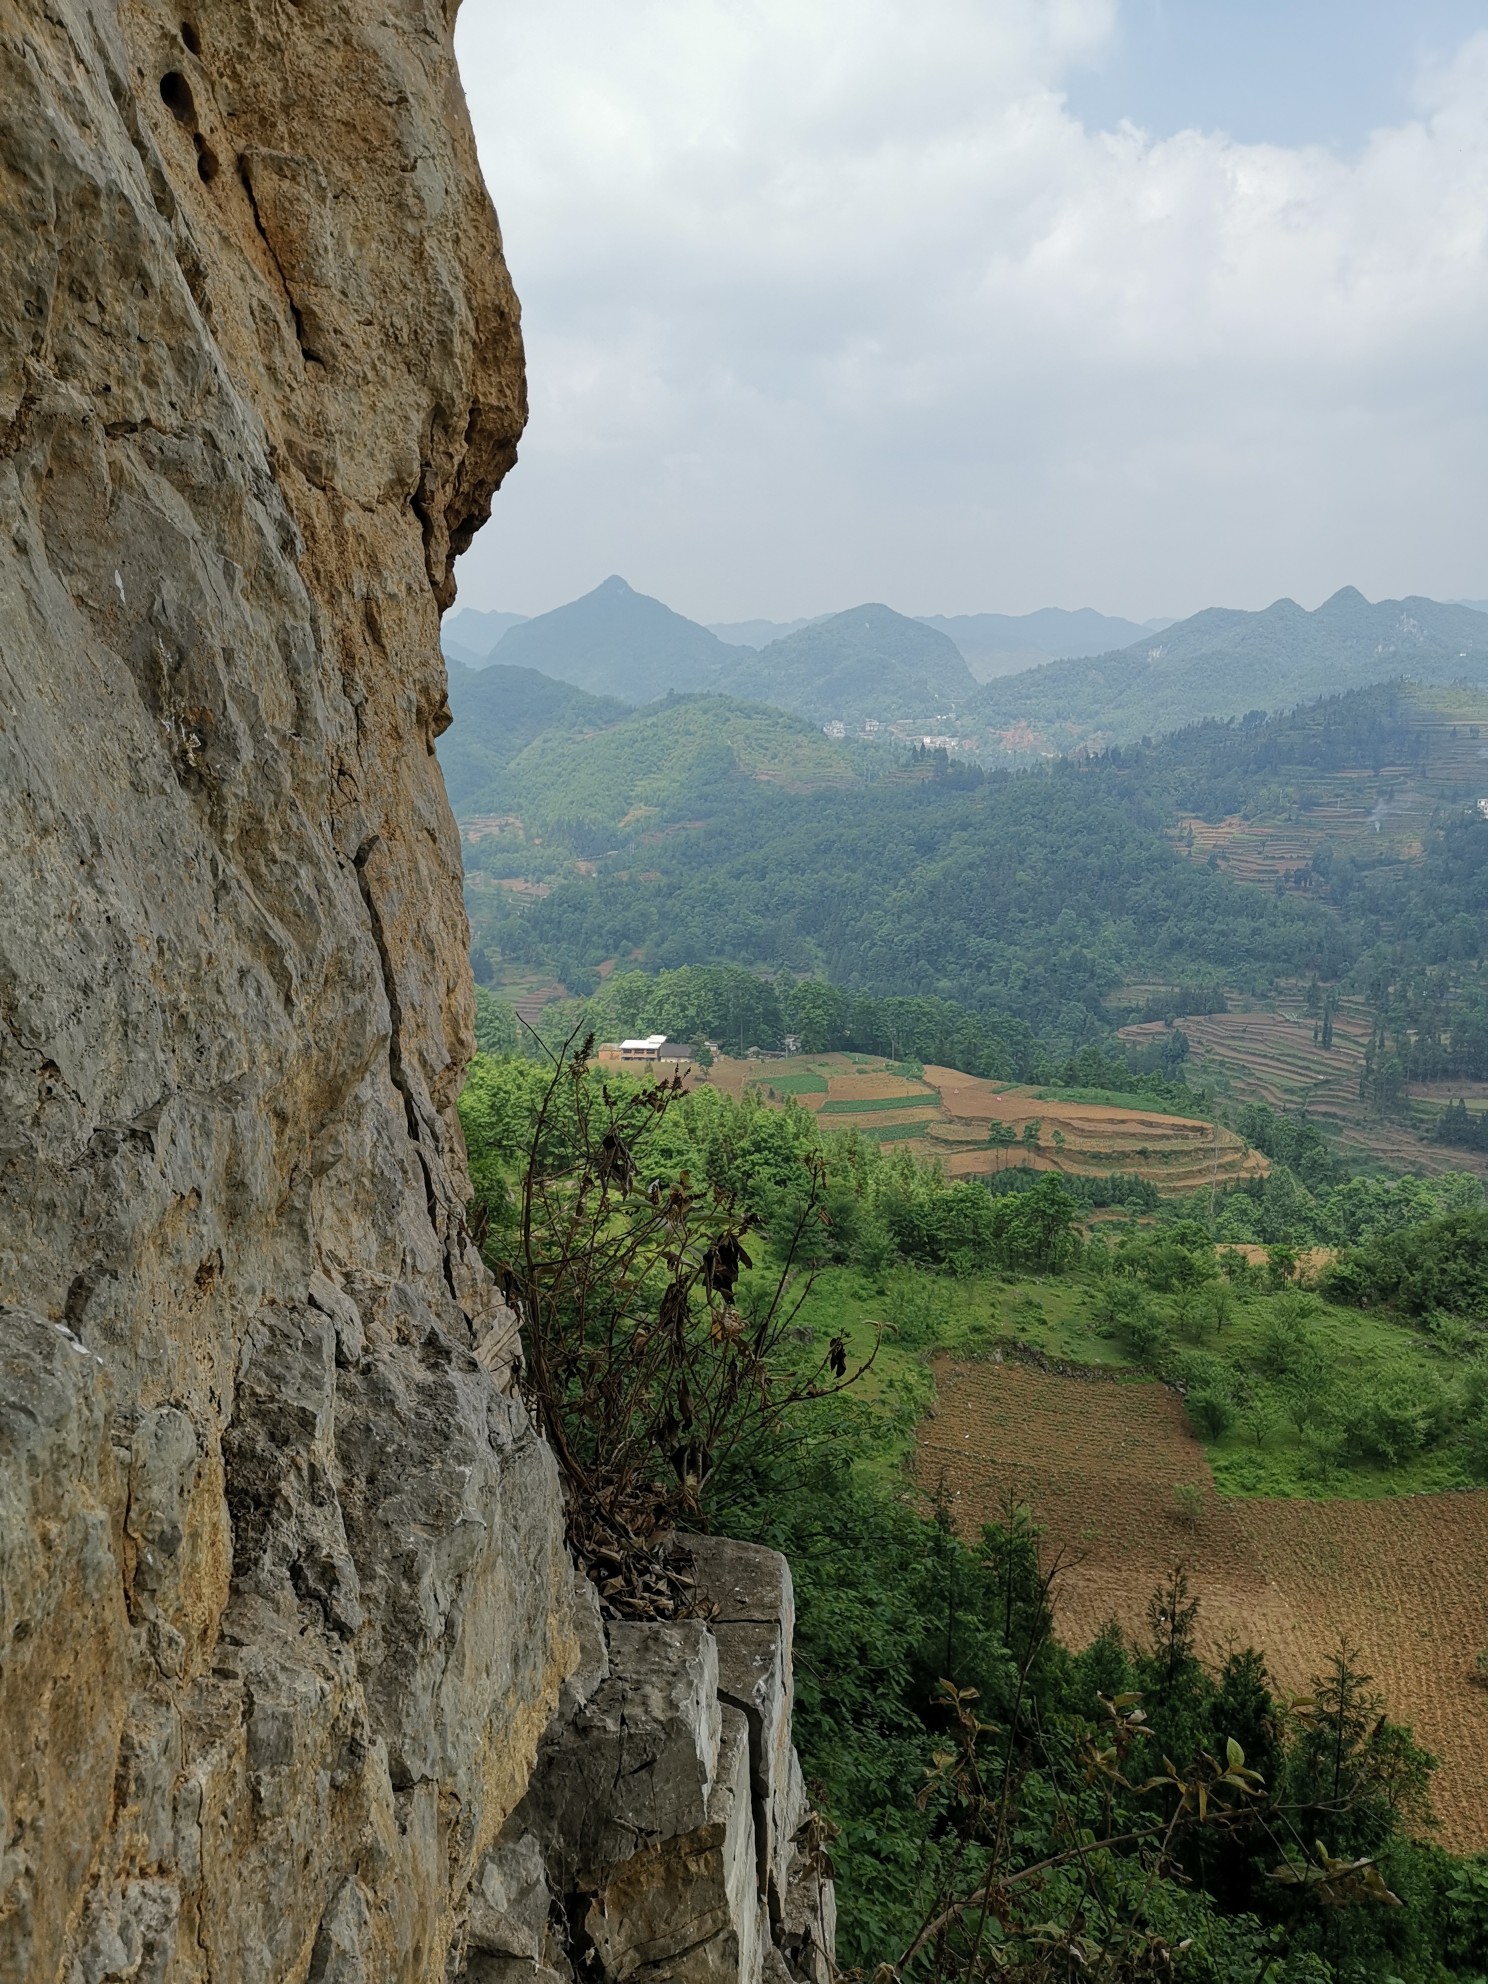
x,y
283,1602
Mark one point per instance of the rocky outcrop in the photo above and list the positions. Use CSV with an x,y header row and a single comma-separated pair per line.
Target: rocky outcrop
x,y
666,1833
284,1603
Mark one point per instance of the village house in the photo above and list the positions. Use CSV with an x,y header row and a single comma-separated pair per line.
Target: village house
x,y
642,1052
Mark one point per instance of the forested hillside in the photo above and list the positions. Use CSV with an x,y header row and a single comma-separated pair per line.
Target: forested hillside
x,y
682,759
1036,894
498,711
1329,867
870,663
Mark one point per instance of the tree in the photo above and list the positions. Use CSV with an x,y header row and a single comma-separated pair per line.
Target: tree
x,y
1002,1137
1259,1414
1172,1622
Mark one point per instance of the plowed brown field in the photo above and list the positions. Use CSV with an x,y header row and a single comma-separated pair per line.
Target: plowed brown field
x,y
1178,1153
1404,1581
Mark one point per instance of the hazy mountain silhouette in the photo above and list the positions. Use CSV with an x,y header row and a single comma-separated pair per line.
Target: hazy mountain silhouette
x,y
1002,643
758,633
469,636
619,642
1223,663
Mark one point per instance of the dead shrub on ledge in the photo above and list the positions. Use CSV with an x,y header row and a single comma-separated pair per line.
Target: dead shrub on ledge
x,y
648,1360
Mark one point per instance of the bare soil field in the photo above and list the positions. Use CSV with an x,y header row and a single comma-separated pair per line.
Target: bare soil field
x,y
1097,1459
1310,1260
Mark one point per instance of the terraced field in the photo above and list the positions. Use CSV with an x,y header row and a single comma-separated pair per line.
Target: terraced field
x,y
1098,1460
976,1127
1269,1055
1375,812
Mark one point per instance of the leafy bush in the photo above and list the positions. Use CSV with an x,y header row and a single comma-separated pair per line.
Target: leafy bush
x,y
1213,1413
1143,1335
1398,1420
1441,1264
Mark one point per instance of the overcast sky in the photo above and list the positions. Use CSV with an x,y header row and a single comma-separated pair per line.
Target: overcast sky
x,y
989,305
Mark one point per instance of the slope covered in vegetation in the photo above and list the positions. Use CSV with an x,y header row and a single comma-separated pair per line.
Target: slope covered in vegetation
x,y
964,1742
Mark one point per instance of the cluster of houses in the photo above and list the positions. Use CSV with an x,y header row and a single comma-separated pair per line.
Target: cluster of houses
x,y
837,730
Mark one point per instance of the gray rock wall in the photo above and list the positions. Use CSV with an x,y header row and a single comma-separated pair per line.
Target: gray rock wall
x,y
666,1833
284,1603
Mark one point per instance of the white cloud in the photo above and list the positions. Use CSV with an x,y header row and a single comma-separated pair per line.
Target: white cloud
x,y
827,301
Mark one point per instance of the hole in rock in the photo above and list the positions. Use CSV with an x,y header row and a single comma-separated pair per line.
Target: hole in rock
x,y
175,94
207,162
190,36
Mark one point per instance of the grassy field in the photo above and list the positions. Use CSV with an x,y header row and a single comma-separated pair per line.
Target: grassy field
x,y
865,1105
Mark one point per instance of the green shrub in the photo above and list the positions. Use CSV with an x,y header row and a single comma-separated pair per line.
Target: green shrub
x,y
1441,1264
1211,1412
1143,1335
1475,1448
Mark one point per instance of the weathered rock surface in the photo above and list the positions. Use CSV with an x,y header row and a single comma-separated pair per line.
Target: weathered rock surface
x,y
283,1601
667,1802
284,1605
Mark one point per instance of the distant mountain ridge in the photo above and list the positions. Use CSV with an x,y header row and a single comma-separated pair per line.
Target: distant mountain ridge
x,y
469,636
602,641
1002,643
619,642
867,662
874,663
1224,662
758,633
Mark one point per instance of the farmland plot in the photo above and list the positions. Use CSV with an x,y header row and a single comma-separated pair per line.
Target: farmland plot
x,y
1098,1459
1269,1055
950,1117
